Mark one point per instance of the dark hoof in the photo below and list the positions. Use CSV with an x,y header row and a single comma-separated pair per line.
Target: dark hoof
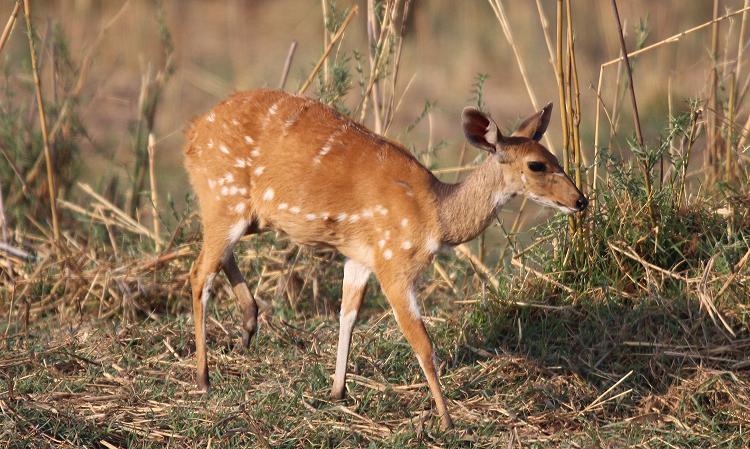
x,y
446,423
247,336
203,384
338,395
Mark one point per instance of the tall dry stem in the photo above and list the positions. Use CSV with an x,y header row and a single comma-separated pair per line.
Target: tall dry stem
x,y
636,117
728,157
574,98
43,125
154,191
560,74
9,25
713,102
334,39
287,65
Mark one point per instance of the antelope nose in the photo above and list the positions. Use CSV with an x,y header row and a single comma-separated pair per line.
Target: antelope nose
x,y
582,203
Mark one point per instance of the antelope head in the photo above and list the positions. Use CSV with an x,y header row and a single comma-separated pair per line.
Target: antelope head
x,y
528,167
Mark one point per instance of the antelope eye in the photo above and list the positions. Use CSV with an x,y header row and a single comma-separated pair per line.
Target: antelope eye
x,y
536,166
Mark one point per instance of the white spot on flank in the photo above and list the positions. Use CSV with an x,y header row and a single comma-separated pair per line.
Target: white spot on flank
x,y
228,178
432,245
367,213
294,210
341,217
211,117
327,146
242,191
239,163
233,190
283,206
210,143
404,222
225,191
211,184
268,194
239,208
310,217
324,215
271,112
223,148
413,306
387,254
354,218
255,152
406,244
387,235
259,171
249,140
235,122
381,243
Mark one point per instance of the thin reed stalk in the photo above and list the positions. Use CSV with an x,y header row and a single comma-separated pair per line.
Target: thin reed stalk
x,y
328,49
154,190
545,31
560,74
288,64
380,58
597,146
502,18
9,25
711,154
636,117
741,40
390,111
373,36
692,136
728,156
3,221
326,38
43,125
575,98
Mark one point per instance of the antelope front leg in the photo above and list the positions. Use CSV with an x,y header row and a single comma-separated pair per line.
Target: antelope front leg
x,y
402,298
353,291
247,303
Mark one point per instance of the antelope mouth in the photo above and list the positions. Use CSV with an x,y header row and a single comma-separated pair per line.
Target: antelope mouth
x,y
567,210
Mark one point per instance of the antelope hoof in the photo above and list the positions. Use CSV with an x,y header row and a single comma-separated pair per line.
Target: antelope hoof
x,y
203,384
247,334
338,394
446,423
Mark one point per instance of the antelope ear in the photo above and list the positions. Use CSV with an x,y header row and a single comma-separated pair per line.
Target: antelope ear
x,y
535,126
480,130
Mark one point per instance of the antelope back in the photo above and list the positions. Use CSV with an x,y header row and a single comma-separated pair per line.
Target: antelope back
x,y
274,160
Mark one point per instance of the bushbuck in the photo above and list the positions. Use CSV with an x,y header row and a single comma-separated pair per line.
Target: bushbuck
x,y
266,159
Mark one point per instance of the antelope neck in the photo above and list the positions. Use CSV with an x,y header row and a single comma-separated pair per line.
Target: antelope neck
x,y
465,209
